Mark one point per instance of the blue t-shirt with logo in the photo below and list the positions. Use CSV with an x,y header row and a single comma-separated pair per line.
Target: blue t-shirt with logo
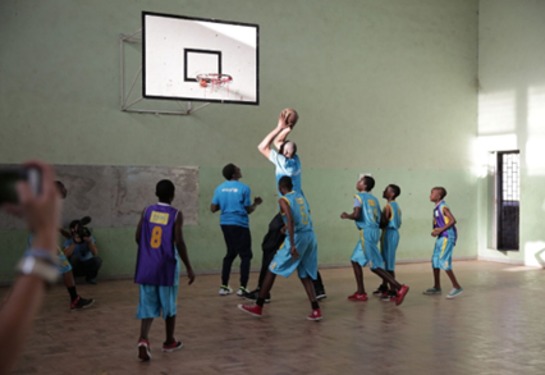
x,y
233,197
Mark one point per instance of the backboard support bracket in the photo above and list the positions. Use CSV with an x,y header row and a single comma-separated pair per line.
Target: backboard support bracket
x,y
131,97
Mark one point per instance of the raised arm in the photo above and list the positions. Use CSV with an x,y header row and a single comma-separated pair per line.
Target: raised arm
x,y
277,136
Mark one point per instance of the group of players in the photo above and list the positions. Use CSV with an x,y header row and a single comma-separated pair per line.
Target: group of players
x,y
289,246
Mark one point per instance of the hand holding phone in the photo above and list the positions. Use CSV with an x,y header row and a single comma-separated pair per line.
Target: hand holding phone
x,y
10,177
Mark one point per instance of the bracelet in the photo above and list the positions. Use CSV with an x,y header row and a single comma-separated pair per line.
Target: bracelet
x,y
31,265
42,254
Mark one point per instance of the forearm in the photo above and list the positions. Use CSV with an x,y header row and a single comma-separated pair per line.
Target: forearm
x,y
93,248
281,137
182,251
265,146
69,251
16,317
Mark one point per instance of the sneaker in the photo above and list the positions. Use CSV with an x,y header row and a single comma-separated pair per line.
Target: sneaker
x,y
144,350
254,294
241,291
432,291
169,348
389,297
254,310
315,315
81,303
401,293
454,293
320,295
225,290
380,291
358,297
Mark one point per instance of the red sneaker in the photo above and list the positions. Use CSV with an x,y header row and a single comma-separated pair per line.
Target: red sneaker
x,y
144,350
358,297
401,293
169,348
315,315
254,310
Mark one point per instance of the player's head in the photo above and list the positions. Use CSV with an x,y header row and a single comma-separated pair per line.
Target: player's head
x,y
164,190
365,183
61,189
231,172
285,185
437,194
392,191
288,149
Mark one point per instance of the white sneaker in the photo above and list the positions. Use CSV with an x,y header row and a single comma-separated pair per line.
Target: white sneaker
x,y
242,291
454,293
225,290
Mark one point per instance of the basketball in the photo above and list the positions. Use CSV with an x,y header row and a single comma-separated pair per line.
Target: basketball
x,y
291,116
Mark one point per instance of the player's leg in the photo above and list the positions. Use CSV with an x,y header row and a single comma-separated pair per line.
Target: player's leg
x,y
245,253
308,267
358,260
447,264
319,287
229,235
76,301
149,307
441,244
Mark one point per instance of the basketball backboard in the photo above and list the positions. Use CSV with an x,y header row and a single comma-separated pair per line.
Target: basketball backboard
x,y
177,49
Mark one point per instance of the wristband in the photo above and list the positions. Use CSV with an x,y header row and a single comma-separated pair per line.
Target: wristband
x,y
44,255
31,265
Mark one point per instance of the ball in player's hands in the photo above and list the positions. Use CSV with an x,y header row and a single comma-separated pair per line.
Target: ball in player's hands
x,y
290,116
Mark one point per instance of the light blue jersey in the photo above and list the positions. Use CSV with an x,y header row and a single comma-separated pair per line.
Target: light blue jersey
x,y
370,210
233,197
299,211
287,167
283,263
366,250
390,236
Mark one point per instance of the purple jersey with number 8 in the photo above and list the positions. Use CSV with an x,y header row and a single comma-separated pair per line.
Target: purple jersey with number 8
x,y
156,260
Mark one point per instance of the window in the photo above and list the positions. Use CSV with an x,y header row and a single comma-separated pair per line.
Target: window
x,y
508,202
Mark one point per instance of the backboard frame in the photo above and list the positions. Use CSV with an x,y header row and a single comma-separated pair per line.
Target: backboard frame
x,y
174,46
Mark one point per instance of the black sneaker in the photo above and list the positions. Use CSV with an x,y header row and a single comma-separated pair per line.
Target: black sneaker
x,y
380,291
254,294
81,303
320,295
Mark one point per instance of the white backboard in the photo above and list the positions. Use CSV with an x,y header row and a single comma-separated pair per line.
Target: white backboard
x,y
177,48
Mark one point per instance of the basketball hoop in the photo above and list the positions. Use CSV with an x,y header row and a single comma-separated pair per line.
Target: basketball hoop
x,y
215,80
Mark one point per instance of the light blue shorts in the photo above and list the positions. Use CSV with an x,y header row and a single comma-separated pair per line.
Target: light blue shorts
x,y
154,299
388,247
64,263
366,250
442,254
306,264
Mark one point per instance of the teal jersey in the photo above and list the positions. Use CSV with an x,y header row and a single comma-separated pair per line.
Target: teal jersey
x,y
299,211
370,210
395,220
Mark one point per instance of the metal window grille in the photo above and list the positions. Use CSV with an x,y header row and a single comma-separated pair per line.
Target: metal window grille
x,y
509,200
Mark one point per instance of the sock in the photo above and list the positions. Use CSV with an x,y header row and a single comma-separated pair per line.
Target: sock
x,y
260,302
315,305
73,293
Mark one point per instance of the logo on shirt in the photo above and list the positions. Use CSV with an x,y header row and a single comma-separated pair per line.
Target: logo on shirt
x,y
159,218
229,190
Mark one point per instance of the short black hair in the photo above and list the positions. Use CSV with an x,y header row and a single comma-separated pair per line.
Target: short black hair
x,y
165,190
281,149
395,189
285,182
73,224
442,191
229,170
369,182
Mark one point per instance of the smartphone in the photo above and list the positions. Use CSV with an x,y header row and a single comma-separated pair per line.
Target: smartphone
x,y
9,177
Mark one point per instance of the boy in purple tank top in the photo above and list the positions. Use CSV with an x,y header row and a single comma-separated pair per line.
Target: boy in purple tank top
x,y
444,230
159,236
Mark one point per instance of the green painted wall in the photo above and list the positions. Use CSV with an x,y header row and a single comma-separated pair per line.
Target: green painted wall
x,y
381,87
511,105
